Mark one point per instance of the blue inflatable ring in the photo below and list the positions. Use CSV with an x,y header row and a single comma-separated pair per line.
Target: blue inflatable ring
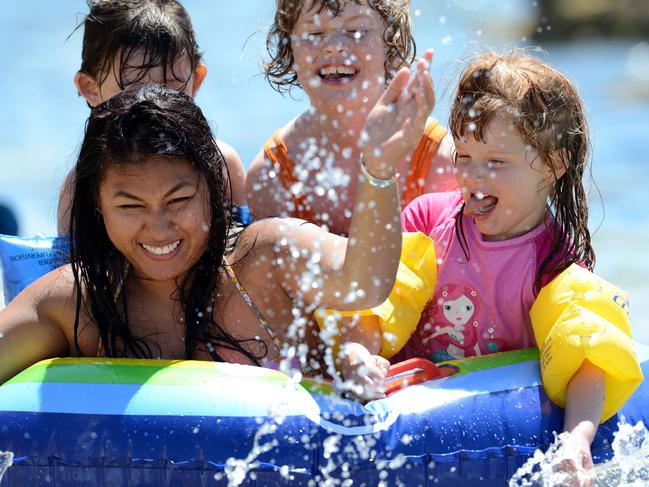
x,y
108,422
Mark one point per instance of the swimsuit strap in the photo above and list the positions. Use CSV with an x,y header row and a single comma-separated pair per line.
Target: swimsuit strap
x,y
276,152
421,161
251,304
116,295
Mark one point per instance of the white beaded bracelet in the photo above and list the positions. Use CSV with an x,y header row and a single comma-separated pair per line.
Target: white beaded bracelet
x,y
374,181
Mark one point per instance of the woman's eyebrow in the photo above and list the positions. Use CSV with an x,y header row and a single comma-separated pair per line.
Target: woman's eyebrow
x,y
176,187
125,194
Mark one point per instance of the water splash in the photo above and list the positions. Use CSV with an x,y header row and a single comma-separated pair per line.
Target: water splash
x,y
6,460
629,466
237,469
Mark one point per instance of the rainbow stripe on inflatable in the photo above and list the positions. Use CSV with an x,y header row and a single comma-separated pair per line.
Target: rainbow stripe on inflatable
x,y
106,422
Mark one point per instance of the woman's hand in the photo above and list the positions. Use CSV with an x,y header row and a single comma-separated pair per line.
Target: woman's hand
x,y
397,121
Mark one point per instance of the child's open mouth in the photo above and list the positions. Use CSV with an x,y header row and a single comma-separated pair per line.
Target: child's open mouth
x,y
337,74
480,204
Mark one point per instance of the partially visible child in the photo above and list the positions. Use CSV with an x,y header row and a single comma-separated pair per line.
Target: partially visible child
x,y
342,53
129,43
508,243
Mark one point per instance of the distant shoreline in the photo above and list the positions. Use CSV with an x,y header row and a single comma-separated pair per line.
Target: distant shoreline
x,y
561,20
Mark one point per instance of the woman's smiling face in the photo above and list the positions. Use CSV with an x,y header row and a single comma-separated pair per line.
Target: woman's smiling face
x,y
156,213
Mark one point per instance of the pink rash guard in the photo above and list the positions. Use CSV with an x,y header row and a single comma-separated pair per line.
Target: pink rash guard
x,y
481,305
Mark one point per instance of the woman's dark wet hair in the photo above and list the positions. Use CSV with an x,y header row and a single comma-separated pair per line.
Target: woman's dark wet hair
x,y
549,115
122,30
129,128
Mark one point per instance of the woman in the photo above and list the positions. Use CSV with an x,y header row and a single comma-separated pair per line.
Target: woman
x,y
155,271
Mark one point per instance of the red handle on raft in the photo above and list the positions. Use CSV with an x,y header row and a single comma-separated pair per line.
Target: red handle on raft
x,y
413,371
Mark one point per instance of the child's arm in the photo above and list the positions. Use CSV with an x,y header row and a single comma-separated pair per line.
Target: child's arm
x,y
65,204
584,405
266,195
235,172
370,256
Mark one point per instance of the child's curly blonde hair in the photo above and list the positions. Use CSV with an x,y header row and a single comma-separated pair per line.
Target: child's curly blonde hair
x,y
398,37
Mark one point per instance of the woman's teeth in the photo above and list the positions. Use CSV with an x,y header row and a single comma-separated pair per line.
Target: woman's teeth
x,y
167,249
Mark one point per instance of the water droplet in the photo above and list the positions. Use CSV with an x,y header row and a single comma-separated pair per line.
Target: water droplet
x,y
638,61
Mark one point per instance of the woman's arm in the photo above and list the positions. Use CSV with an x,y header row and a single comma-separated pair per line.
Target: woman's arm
x,y
29,325
359,272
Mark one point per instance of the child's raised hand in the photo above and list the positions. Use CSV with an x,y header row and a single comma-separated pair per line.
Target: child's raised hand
x,y
363,372
397,121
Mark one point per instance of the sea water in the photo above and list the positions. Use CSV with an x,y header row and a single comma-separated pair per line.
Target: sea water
x,y
629,466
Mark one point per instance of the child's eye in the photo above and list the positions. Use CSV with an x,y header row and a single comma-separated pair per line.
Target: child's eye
x,y
313,37
492,163
461,160
356,34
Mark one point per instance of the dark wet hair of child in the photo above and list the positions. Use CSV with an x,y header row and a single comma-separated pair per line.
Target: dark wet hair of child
x,y
129,128
398,36
137,35
548,113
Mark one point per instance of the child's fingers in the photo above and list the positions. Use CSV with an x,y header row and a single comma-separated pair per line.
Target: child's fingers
x,y
425,78
424,99
429,90
428,56
374,385
396,87
382,364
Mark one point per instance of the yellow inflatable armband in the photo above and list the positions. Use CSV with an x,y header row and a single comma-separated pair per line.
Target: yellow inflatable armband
x,y
399,315
579,316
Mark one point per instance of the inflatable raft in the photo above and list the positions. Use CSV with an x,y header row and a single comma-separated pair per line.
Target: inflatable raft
x,y
111,422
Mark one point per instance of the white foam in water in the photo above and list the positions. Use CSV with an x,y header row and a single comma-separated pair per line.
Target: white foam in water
x,y
628,468
236,469
6,460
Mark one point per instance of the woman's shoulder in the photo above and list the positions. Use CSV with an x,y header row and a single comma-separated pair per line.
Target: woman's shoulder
x,y
274,233
57,284
49,302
